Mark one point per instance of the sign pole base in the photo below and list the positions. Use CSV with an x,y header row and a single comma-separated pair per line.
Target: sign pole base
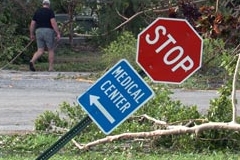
x,y
65,139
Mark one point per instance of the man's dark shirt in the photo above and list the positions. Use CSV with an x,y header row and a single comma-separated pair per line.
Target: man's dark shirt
x,y
42,17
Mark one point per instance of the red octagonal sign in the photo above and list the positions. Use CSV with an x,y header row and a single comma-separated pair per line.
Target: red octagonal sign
x,y
169,50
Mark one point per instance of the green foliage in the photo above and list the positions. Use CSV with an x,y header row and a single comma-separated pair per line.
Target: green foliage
x,y
64,119
218,140
129,154
48,119
13,29
118,12
162,107
27,143
124,47
220,109
213,51
218,65
229,61
12,47
74,113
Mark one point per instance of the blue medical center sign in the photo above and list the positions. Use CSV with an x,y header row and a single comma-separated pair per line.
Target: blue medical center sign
x,y
115,96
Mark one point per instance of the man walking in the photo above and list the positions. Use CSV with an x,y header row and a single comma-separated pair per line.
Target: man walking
x,y
44,27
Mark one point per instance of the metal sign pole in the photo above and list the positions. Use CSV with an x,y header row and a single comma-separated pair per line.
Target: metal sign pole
x,y
108,121
65,139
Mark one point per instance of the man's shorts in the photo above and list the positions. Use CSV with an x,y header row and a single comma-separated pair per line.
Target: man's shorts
x,y
45,38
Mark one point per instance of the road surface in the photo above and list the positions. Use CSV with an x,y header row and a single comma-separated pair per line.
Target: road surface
x,y
26,95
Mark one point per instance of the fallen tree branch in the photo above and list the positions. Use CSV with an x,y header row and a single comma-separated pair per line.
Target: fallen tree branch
x,y
234,107
157,9
163,123
176,131
156,121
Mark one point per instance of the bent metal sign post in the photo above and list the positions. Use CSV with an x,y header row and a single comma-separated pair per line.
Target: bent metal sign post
x,y
109,102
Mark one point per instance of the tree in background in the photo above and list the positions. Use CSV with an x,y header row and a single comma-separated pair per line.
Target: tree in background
x,y
14,21
210,18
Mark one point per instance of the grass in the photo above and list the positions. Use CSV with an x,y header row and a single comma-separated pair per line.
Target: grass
x,y
129,156
29,147
80,61
66,60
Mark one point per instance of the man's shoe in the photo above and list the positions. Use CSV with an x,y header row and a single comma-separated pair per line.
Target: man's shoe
x,y
31,67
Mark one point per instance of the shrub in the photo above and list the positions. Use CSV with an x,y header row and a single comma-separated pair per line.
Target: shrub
x,y
124,47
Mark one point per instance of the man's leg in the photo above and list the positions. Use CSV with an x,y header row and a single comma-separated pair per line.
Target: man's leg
x,y
36,55
40,46
51,59
49,39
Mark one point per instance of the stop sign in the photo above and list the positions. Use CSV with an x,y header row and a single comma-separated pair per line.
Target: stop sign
x,y
169,50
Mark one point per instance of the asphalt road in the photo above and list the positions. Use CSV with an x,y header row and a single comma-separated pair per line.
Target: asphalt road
x,y
26,95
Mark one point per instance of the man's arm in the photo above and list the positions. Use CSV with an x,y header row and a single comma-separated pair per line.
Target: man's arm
x,y
32,29
55,27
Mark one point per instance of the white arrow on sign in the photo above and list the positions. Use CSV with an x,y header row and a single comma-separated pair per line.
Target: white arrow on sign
x,y
95,100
